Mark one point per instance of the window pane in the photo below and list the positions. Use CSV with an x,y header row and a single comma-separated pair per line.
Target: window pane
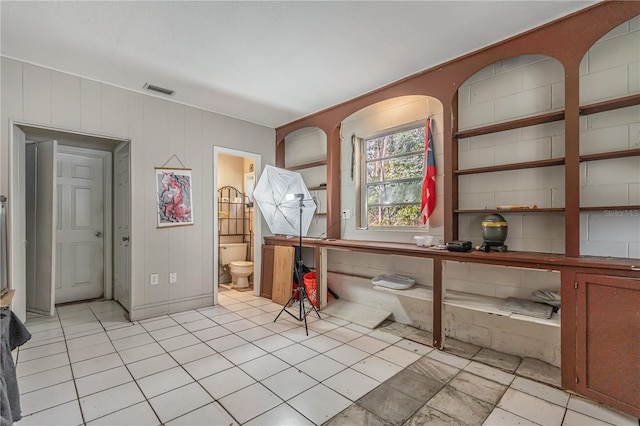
x,y
394,216
395,144
399,192
411,166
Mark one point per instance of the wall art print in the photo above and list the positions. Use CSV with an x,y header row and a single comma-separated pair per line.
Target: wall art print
x,y
175,205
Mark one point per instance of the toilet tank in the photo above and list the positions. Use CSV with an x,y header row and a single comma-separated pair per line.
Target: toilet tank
x,y
232,251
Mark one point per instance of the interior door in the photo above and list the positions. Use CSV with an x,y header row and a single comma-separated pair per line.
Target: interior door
x,y
41,238
80,227
122,263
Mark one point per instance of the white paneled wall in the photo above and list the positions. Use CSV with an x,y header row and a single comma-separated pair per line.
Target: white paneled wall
x,y
611,69
157,129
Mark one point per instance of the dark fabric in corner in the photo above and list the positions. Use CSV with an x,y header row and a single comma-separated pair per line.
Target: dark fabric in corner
x,y
12,334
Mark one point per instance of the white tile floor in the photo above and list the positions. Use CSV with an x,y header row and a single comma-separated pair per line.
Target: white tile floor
x,y
231,364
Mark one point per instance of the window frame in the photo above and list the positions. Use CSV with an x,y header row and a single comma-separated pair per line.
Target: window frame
x,y
361,178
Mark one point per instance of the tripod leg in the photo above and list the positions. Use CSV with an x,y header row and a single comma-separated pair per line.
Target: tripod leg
x,y
284,308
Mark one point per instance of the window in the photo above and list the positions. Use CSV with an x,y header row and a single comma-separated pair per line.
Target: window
x,y
392,175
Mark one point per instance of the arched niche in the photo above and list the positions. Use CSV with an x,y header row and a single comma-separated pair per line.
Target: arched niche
x,y
373,120
610,144
509,89
306,145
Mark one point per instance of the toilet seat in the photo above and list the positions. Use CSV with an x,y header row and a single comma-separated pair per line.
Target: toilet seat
x,y
241,263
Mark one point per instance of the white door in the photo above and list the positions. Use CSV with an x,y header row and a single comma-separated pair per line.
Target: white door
x,y
80,227
122,264
41,237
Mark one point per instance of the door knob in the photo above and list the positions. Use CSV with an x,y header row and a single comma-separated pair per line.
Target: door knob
x,y
98,234
125,239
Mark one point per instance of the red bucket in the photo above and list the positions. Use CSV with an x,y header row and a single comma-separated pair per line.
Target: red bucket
x,y
309,280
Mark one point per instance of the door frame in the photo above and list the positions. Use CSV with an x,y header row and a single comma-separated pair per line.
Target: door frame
x,y
107,210
257,240
16,219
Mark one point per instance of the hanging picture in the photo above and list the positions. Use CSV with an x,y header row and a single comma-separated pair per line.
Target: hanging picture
x,y
175,205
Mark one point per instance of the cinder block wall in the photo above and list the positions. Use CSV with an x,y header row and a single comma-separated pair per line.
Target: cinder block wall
x,y
611,69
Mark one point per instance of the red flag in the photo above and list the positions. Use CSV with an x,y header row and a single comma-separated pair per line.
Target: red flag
x,y
429,183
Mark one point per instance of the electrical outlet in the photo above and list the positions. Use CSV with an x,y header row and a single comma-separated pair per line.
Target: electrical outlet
x,y
153,279
173,277
346,214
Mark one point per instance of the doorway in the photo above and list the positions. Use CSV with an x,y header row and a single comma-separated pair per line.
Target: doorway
x,y
238,170
63,204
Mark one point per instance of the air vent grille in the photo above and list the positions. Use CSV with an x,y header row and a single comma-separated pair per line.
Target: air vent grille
x,y
159,89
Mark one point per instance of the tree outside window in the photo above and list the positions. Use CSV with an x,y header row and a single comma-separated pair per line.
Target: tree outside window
x,y
394,170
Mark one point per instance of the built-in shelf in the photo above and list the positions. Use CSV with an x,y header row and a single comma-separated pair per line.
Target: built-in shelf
x,y
512,166
308,165
611,208
611,104
416,292
610,155
491,305
517,210
510,125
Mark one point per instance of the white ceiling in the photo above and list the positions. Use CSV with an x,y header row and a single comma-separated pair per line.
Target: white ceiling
x,y
265,62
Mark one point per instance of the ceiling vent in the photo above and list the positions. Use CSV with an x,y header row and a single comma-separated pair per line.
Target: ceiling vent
x,y
159,89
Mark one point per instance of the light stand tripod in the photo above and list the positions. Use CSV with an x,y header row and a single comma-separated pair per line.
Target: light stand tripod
x,y
300,291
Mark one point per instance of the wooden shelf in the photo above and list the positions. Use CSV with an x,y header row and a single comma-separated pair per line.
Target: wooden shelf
x,y
320,214
317,188
512,166
612,208
610,155
523,210
611,104
416,292
510,125
308,165
491,305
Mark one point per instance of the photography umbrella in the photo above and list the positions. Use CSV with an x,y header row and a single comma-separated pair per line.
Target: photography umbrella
x,y
278,194
287,207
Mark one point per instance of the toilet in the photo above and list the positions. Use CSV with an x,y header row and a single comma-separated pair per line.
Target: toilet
x,y
240,271
234,255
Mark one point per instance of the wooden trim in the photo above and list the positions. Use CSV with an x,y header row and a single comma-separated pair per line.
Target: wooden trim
x,y
308,165
621,266
510,125
568,294
612,208
572,160
437,323
512,166
519,210
450,165
610,104
610,155
334,224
